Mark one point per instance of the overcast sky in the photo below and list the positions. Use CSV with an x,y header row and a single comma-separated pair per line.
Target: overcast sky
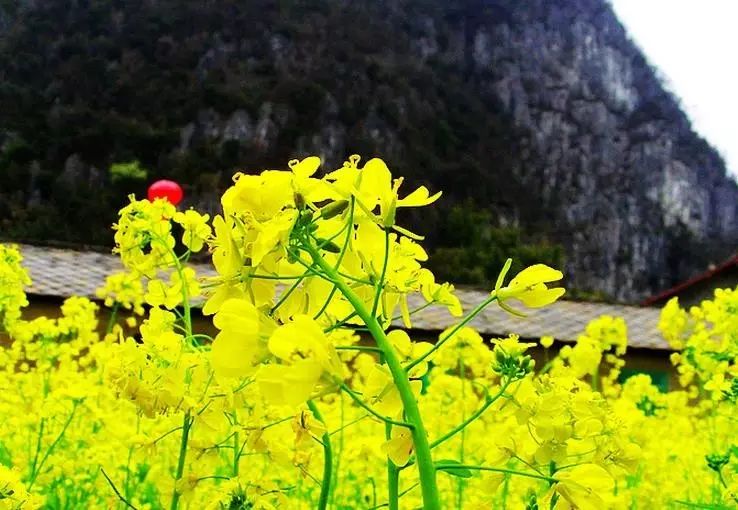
x,y
694,44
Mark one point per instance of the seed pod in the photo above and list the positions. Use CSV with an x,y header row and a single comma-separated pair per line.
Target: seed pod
x,y
333,209
329,246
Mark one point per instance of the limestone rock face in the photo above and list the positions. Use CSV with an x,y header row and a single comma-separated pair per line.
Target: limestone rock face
x,y
600,133
543,111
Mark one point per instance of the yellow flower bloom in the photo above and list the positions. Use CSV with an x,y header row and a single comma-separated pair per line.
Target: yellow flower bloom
x,y
372,186
529,287
239,344
381,393
399,447
13,279
582,487
289,385
547,341
196,228
307,428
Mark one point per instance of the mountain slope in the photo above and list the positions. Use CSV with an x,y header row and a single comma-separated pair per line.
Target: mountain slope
x,y
546,116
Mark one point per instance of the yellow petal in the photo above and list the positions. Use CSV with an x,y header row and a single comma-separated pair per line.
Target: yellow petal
x,y
237,315
582,486
400,446
537,273
231,356
540,296
306,167
418,198
401,341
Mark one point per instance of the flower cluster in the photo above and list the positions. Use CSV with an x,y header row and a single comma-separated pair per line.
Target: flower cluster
x,y
708,338
13,279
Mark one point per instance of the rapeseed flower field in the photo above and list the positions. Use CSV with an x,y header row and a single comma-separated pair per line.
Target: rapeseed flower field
x,y
311,397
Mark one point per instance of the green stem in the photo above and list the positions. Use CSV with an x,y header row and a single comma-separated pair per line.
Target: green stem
x,y
357,348
371,411
596,379
393,477
380,283
549,479
412,487
285,295
505,490
117,492
426,470
165,434
112,318
337,464
187,419
39,438
722,481
699,505
415,310
52,446
343,322
344,427
461,426
186,424
128,462
349,226
466,320
325,486
236,454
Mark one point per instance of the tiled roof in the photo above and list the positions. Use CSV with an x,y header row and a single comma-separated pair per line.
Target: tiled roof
x,y
563,320
62,272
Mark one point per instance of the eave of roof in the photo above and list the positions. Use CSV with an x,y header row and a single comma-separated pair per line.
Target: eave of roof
x,y
710,273
62,273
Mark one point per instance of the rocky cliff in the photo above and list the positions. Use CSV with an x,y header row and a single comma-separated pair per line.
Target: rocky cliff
x,y
542,112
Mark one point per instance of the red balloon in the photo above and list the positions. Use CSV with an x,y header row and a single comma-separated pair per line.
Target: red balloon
x,y
167,189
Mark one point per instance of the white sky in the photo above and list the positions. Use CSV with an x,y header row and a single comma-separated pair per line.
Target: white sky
x,y
694,45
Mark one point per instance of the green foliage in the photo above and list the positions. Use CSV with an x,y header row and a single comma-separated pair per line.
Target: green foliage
x,y
131,170
471,250
76,83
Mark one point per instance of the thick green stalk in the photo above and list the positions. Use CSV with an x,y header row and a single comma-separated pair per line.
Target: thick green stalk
x,y
325,486
393,477
426,470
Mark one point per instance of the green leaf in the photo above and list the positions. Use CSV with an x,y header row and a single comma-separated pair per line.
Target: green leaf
x,y
452,468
